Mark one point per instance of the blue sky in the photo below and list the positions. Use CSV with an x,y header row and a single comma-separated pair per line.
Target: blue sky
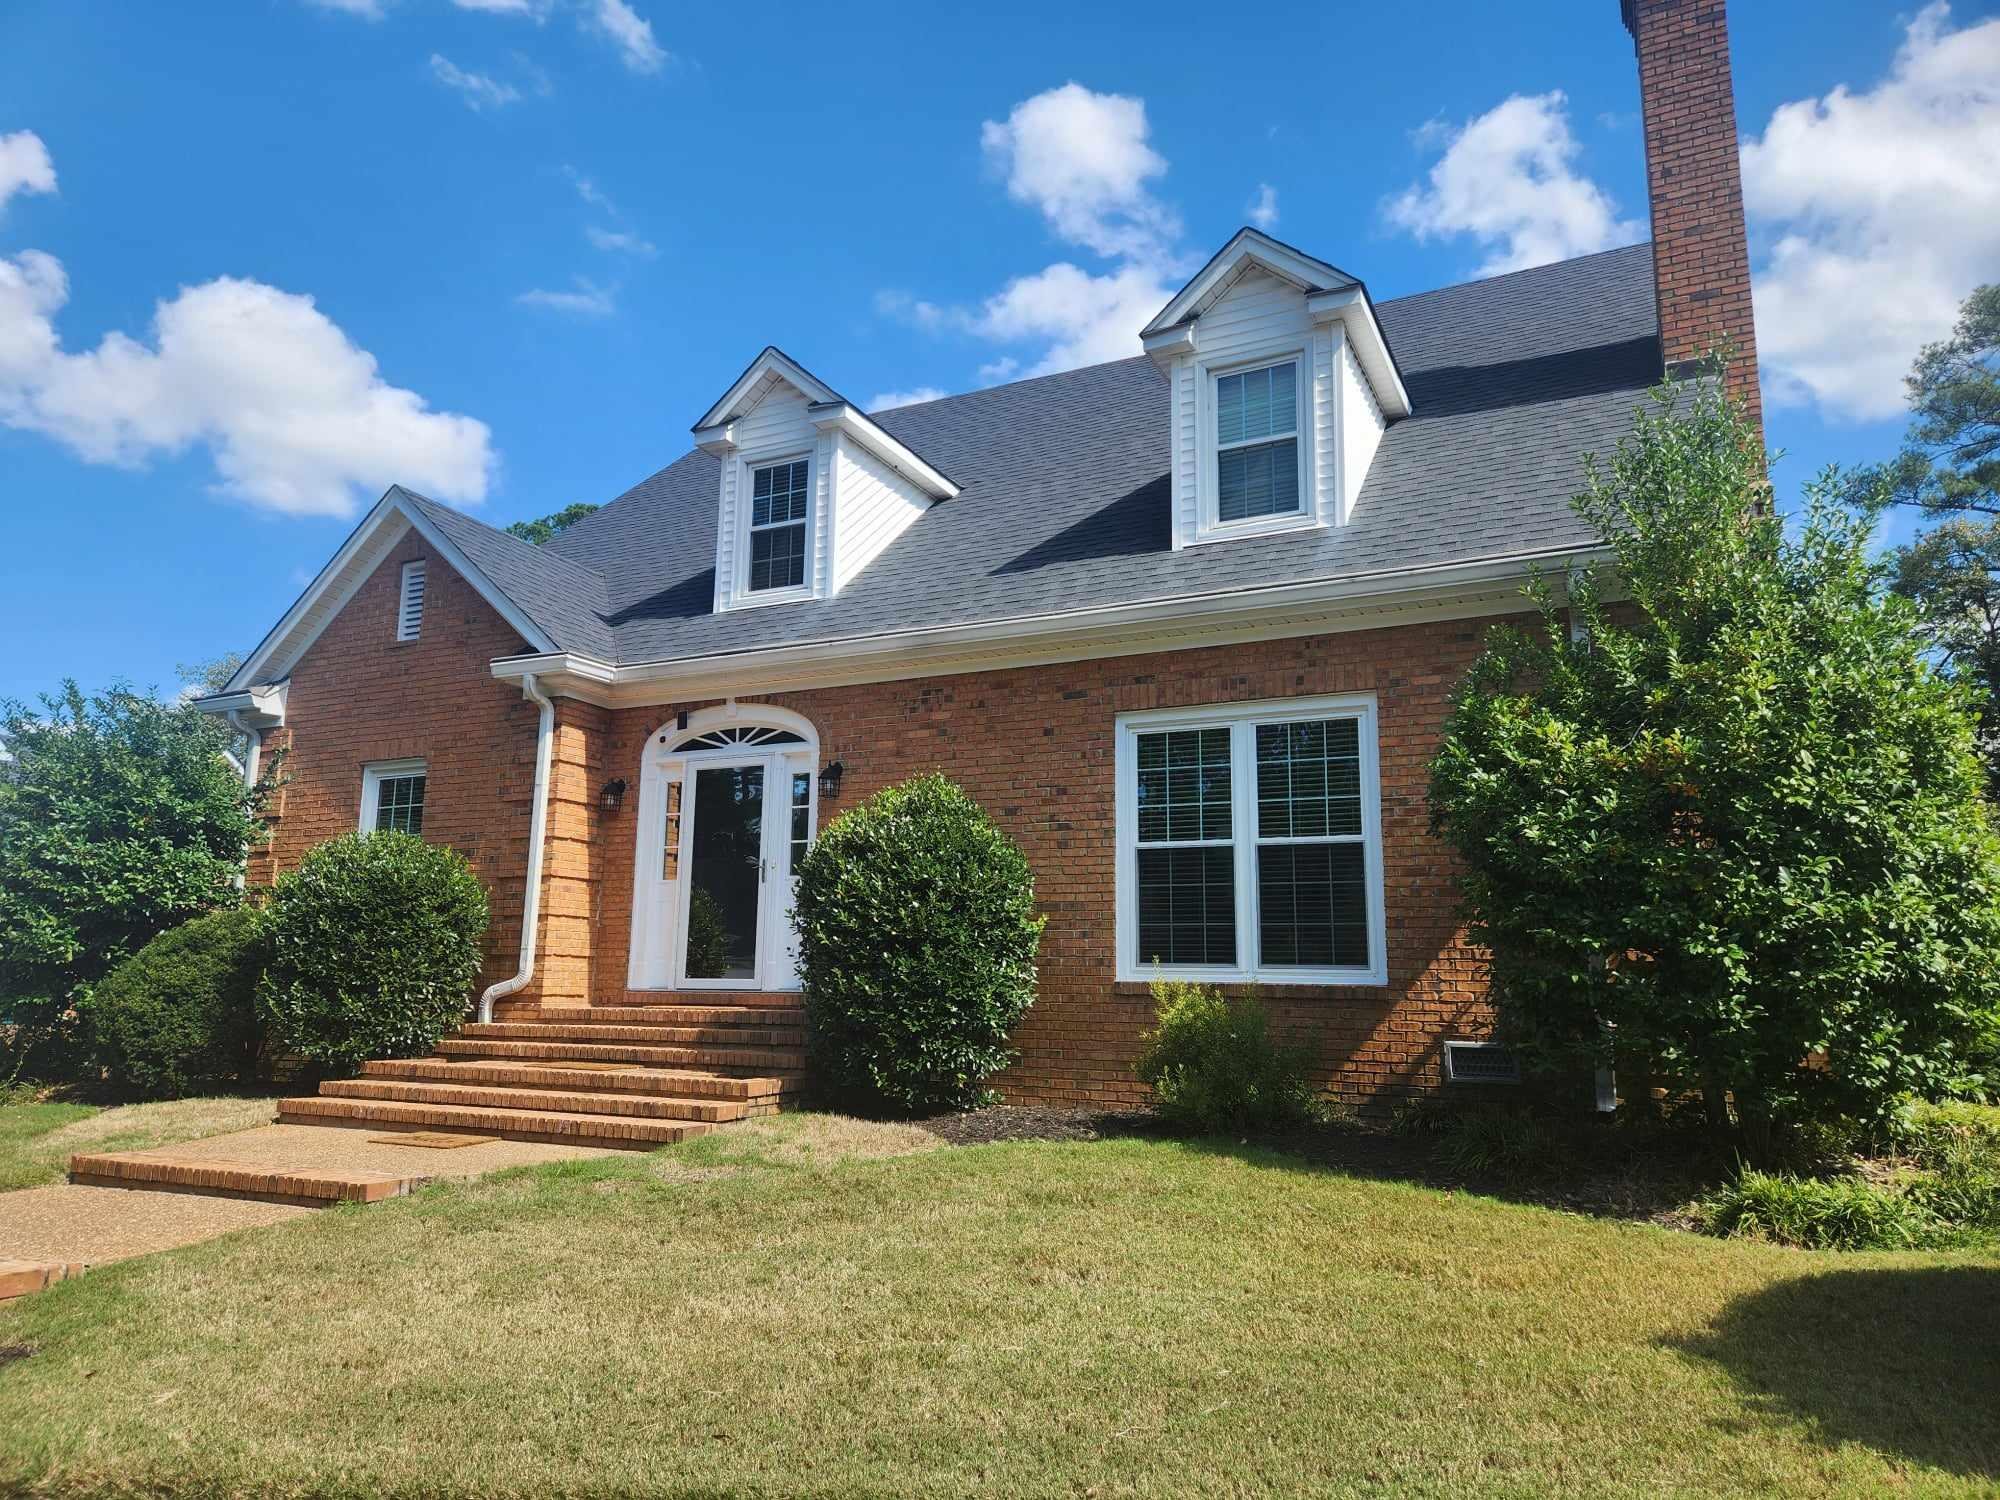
x,y
259,260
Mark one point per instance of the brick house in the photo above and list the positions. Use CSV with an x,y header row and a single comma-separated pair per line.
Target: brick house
x,y
1186,624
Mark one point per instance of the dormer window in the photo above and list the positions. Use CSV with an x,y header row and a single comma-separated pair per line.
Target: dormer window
x,y
1258,471
778,505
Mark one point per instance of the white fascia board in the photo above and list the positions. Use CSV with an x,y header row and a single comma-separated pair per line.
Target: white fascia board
x,y
772,361
1350,307
261,707
1169,344
1485,586
718,441
839,416
289,639
1280,259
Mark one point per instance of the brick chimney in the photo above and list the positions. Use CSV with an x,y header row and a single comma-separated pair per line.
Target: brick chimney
x,y
1701,255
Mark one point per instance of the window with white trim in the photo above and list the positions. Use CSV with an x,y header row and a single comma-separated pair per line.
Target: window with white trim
x,y
778,505
392,796
1249,843
1257,467
410,608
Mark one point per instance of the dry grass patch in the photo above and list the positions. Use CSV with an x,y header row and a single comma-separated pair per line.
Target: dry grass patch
x,y
1126,1317
37,1139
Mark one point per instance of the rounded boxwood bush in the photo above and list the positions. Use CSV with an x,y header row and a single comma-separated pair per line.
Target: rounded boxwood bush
x,y
375,942
917,939
179,1017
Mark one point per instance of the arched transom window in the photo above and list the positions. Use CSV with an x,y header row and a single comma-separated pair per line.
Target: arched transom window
x,y
740,734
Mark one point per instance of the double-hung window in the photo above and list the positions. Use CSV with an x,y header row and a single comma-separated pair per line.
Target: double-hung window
x,y
1249,843
778,504
1257,443
392,796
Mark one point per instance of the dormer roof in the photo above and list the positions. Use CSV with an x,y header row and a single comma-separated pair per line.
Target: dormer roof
x,y
830,412
1331,296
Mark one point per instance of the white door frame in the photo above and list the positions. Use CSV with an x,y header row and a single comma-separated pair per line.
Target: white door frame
x,y
659,902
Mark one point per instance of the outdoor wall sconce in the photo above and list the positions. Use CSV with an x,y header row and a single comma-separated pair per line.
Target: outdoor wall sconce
x,y
829,781
613,795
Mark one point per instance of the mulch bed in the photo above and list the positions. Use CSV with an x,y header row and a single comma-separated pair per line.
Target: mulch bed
x,y
1655,1193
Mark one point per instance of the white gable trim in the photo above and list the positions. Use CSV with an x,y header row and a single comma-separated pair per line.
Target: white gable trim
x,y
1213,279
338,582
739,397
841,417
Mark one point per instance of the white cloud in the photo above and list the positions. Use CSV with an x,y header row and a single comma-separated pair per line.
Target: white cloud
x,y
294,416
888,399
1263,209
1881,211
586,298
1086,319
1083,160
631,34
368,10
476,89
588,191
534,10
620,241
24,166
1508,178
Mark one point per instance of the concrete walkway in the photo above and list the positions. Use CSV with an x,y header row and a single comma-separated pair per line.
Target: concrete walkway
x,y
198,1190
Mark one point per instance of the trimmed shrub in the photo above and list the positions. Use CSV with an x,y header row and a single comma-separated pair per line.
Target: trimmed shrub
x,y
917,939
179,1017
375,942
1213,1064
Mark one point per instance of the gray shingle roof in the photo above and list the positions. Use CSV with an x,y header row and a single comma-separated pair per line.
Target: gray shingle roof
x,y
1065,500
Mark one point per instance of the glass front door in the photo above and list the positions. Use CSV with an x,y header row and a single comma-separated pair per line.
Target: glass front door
x,y
725,873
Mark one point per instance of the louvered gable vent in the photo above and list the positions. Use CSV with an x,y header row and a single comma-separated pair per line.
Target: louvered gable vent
x,y
410,617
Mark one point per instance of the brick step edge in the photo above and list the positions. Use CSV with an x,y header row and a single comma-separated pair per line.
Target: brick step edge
x,y
20,1278
657,1036
521,1097
668,1082
545,1126
791,1018
717,1059
221,1179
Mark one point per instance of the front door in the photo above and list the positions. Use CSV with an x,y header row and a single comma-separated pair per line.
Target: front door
x,y
722,927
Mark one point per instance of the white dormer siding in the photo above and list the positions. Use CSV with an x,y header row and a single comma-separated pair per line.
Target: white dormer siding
x,y
1257,306
865,487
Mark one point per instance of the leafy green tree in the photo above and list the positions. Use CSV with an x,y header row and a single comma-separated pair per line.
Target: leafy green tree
x,y
209,676
538,531
1733,827
119,818
1949,470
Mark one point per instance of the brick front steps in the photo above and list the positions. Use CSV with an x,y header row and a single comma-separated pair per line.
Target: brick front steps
x,y
632,1076
214,1178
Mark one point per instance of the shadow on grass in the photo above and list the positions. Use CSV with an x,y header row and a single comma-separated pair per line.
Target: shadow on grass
x,y
1904,1361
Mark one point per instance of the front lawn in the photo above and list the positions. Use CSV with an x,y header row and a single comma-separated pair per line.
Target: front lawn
x,y
783,1309
37,1137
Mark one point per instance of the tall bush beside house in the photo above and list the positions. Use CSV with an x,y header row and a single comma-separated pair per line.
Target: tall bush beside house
x,y
119,817
374,946
179,1017
917,940
1732,828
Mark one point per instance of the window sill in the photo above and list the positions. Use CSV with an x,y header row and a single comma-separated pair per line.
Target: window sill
x,y
1232,531
1286,978
763,597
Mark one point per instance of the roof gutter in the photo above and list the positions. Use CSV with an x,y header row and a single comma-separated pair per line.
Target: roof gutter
x,y
538,822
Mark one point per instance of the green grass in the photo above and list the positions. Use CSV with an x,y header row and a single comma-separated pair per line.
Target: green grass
x,y
37,1137
783,1310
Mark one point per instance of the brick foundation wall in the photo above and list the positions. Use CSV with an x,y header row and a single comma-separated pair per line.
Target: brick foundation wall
x,y
359,695
1701,255
1035,746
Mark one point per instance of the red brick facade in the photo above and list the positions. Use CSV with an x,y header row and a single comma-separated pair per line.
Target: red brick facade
x,y
1034,745
1701,255
359,695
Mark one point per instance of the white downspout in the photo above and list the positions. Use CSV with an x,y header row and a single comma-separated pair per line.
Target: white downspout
x,y
538,821
253,748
